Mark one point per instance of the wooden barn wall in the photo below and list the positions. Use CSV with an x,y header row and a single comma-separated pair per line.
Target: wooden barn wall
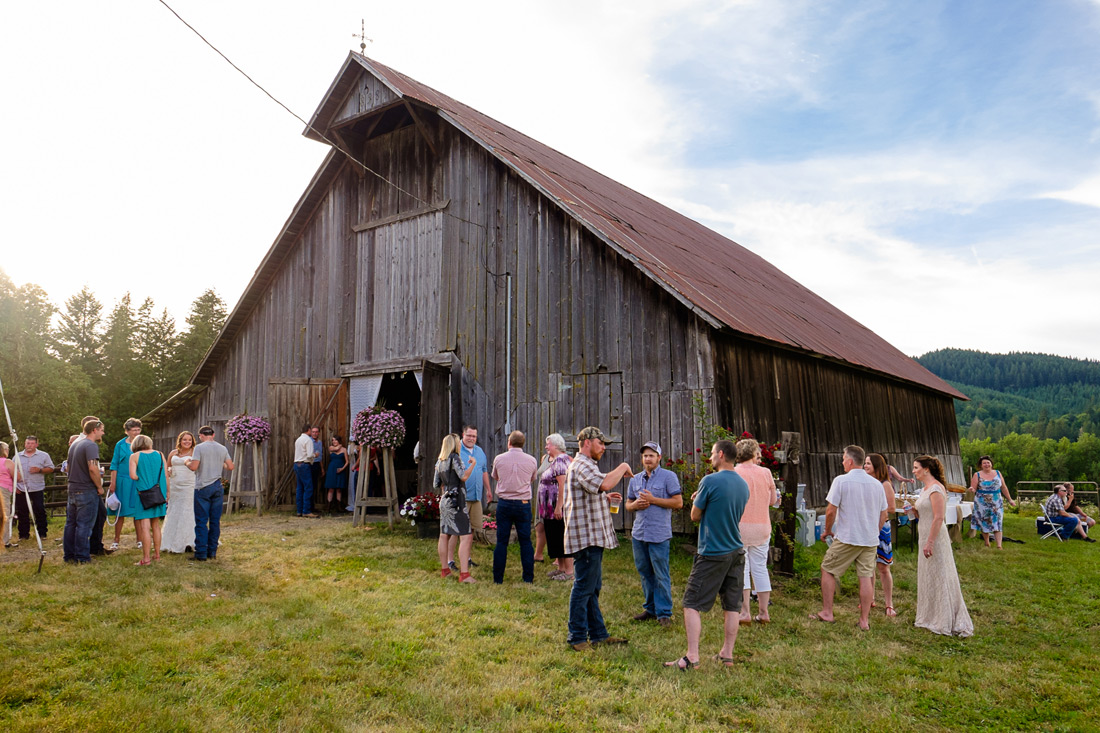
x,y
767,391
594,340
305,324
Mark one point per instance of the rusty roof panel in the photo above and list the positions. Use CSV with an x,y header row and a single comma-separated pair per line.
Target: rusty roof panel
x,y
718,276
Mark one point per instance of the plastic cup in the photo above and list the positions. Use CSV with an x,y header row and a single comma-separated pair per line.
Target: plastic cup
x,y
614,507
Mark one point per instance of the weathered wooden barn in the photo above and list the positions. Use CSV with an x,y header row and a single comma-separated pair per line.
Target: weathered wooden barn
x,y
464,273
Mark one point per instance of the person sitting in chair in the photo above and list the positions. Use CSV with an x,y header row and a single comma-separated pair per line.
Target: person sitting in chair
x,y
1055,509
1074,509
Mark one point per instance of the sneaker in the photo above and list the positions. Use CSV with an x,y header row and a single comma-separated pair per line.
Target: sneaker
x,y
451,564
472,563
610,640
113,547
139,545
11,544
1089,539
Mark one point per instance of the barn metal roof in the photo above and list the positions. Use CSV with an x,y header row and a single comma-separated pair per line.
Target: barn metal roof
x,y
727,284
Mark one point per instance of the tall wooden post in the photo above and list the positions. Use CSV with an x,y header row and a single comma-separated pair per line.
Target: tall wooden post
x,y
785,532
389,479
236,480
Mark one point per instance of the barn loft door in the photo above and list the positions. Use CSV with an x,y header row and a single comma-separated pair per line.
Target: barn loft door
x,y
291,404
435,419
400,270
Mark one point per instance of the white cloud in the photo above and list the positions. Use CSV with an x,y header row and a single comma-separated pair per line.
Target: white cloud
x,y
1086,192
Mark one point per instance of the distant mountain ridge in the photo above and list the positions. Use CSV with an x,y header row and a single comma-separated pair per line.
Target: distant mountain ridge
x,y
1041,394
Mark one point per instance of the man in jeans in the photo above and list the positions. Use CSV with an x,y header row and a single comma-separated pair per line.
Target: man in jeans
x,y
514,471
207,462
588,532
652,495
85,488
34,466
304,454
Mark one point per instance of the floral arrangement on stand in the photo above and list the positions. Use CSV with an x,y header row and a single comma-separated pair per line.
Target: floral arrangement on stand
x,y
422,508
378,427
247,429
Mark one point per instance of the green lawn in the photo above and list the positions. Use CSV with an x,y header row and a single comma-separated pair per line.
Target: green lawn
x,y
314,625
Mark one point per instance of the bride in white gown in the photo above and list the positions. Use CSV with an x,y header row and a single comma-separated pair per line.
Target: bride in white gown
x,y
178,533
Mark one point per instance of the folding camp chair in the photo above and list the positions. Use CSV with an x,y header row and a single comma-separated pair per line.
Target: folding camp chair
x,y
1042,523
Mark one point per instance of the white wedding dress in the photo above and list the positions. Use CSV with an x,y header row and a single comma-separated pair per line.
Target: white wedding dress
x,y
178,532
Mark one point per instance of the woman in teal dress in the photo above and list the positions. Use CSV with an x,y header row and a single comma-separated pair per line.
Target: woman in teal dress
x,y
121,484
148,471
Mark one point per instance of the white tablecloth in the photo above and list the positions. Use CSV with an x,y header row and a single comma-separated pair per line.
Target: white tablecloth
x,y
958,512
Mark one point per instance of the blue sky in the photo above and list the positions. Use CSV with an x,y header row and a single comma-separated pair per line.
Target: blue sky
x,y
929,167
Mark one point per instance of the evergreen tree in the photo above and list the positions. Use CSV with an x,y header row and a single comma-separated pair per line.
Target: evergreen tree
x,y
77,338
204,323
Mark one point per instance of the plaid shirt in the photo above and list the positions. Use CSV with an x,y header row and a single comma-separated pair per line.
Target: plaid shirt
x,y
584,509
1054,506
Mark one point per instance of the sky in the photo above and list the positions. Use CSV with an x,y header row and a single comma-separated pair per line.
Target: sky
x,y
931,168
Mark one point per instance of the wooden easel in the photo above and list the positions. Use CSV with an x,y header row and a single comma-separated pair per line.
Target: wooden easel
x,y
362,501
236,480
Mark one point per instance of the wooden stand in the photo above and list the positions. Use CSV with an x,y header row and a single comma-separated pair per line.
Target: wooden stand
x,y
237,478
362,501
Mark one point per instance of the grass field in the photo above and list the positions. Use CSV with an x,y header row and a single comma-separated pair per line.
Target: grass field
x,y
313,625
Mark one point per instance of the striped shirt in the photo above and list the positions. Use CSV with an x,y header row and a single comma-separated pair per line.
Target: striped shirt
x,y
584,508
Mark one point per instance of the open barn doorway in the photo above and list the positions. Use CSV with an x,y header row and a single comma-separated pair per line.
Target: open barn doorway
x,y
400,391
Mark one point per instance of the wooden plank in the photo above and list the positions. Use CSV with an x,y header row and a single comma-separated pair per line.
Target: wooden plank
x,y
402,216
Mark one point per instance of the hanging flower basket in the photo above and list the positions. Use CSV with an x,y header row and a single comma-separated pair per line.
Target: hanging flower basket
x,y
247,429
378,427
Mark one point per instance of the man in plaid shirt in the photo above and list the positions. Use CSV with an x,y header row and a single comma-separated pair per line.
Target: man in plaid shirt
x,y
588,530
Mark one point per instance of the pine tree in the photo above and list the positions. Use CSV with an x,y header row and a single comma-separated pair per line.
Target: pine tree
x,y
77,338
204,323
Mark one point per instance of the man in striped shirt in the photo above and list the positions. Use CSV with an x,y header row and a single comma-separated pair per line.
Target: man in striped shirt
x,y
588,531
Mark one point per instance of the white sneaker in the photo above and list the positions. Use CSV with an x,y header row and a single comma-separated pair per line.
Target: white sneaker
x,y
139,545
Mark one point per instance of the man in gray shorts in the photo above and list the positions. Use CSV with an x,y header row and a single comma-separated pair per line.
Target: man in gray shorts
x,y
855,510
719,567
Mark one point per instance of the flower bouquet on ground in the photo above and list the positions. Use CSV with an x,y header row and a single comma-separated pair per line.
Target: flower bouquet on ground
x,y
378,427
247,429
489,521
421,508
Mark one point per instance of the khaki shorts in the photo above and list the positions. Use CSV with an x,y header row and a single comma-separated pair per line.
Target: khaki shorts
x,y
476,518
839,557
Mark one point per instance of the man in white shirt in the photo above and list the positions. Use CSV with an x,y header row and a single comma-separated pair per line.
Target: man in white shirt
x,y
304,454
856,509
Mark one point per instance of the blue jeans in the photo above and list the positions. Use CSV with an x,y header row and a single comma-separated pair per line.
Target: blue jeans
x,y
1069,525
585,620
509,512
651,559
208,506
80,514
304,491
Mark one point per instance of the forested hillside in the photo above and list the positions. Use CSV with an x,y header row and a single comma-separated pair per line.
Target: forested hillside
x,y
1043,395
58,365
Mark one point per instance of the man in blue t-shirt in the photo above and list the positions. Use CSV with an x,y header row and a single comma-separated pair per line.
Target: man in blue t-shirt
x,y
477,489
719,567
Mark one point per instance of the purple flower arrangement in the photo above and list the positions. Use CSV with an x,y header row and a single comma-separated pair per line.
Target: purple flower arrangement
x,y
378,427
247,429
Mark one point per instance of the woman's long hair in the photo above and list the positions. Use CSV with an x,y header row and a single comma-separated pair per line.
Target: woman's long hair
x,y
933,465
881,469
450,445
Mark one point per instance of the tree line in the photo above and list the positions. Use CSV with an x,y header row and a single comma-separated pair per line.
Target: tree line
x,y
58,365
1028,458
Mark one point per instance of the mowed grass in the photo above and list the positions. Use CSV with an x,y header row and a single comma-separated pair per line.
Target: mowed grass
x,y
315,625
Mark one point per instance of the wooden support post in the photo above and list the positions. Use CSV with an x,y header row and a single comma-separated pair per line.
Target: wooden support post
x,y
237,490
389,479
785,532
235,479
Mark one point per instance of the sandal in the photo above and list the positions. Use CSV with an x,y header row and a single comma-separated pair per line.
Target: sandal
x,y
683,664
761,620
744,621
891,612
727,661
817,617
444,572
143,562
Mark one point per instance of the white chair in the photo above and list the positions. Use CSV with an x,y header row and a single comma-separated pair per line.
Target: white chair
x,y
1051,527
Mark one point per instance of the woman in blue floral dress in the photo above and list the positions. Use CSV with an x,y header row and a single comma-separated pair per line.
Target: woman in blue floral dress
x,y
990,493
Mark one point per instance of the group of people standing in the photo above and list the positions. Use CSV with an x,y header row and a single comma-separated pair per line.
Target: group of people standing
x,y
184,492
338,477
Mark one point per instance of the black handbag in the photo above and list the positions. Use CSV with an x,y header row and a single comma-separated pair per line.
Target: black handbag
x,y
153,497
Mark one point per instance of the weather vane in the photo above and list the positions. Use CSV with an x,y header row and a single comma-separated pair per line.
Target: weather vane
x,y
362,36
